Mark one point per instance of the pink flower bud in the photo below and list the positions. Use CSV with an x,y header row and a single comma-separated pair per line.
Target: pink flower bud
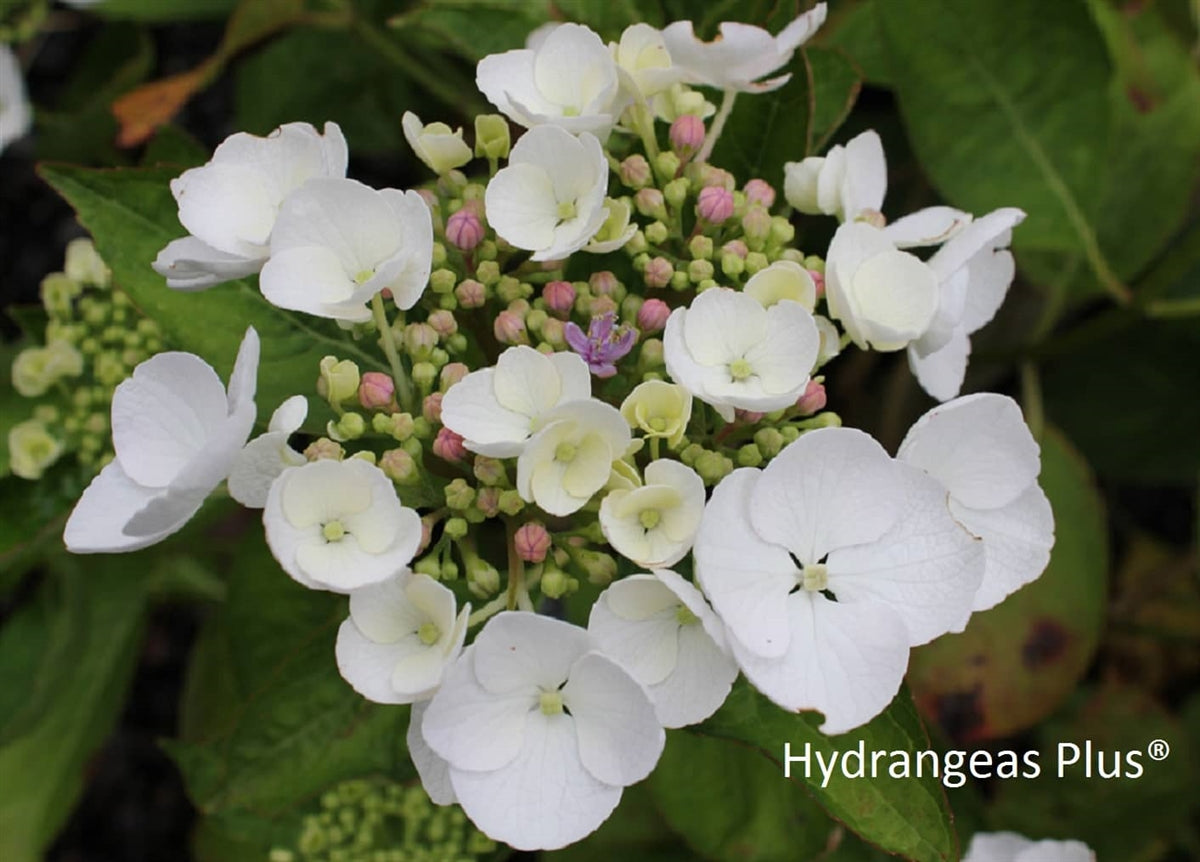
x,y
757,224
760,192
600,305
470,294
427,523
398,465
453,372
324,449
509,328
603,283
813,399
419,339
443,322
650,203
376,391
464,230
658,272
488,501
736,247
711,175
431,407
532,542
635,171
449,446
687,136
652,316
819,280
559,297
749,416
714,204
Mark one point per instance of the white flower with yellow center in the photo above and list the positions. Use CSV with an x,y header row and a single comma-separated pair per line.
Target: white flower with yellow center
x,y
730,352
659,409
571,458
660,629
400,637
338,525
655,525
441,148
784,279
644,61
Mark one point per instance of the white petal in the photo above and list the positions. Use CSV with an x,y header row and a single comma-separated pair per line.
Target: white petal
x,y
290,415
1017,539
433,771
647,644
521,651
243,380
927,568
414,252
521,206
620,740
845,660
929,226
498,75
470,409
546,777
192,264
941,372
574,376
722,325
988,278
979,237
257,465
526,381
701,681
785,356
978,446
832,488
865,182
230,207
996,847
98,520
746,579
368,666
353,220
313,280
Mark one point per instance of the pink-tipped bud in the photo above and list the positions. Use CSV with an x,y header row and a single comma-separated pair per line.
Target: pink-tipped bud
x,y
756,224
554,332
559,297
464,230
376,391
651,204
449,446
760,192
687,136
819,280
658,272
652,316
603,283
532,542
398,466
813,399
324,449
453,372
488,501
443,322
430,199
419,340
736,247
711,175
431,407
427,523
635,172
750,417
598,306
470,294
714,204
509,328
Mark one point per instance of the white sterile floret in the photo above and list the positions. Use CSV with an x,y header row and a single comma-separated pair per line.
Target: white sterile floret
x,y
337,243
441,148
1011,847
729,351
974,270
176,431
827,566
571,457
655,525
567,79
980,449
266,456
338,525
539,734
741,55
550,197
400,637
495,410
15,115
644,62
229,205
660,629
884,297
784,279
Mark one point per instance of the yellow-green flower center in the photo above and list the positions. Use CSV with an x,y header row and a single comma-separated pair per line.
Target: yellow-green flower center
x,y
566,210
363,276
649,518
740,369
551,702
564,452
685,617
658,424
333,531
816,577
429,633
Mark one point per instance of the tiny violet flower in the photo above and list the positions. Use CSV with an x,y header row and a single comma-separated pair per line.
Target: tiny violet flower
x,y
567,79
827,566
549,199
980,449
337,243
496,409
659,409
262,459
229,205
660,629
338,525
603,346
400,637
176,431
730,352
535,735
655,525
1010,847
439,147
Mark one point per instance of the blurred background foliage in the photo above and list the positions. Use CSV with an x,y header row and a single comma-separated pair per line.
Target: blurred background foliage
x,y
1085,113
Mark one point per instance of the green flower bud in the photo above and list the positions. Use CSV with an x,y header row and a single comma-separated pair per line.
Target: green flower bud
x,y
442,280
699,270
508,289
419,340
652,354
425,375
666,166
450,568
679,280
769,441
815,264
701,247
755,261
782,231
459,495
790,434
399,466
421,428
455,528
487,273
487,250
490,471
58,292
749,456
637,243
428,565
732,265
657,233
483,580
108,369
600,567
365,455
676,193
338,381
713,467
554,583
456,344
492,138
349,426
511,502
439,255
84,265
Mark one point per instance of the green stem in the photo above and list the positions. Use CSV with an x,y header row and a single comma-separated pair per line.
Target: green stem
x,y
718,126
487,611
1173,308
1031,399
516,569
654,448
388,340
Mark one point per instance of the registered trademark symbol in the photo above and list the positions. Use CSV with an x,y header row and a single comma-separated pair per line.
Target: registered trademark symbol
x,y
1158,749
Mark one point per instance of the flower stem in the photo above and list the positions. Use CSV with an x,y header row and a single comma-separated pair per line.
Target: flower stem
x,y
388,340
516,595
654,448
718,125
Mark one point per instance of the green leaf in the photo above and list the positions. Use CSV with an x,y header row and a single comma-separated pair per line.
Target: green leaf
x,y
1018,662
474,28
995,124
836,82
855,29
71,653
131,216
907,816
610,17
730,803
164,10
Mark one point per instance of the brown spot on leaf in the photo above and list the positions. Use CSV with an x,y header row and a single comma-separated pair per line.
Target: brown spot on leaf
x,y
1142,101
1046,642
959,712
